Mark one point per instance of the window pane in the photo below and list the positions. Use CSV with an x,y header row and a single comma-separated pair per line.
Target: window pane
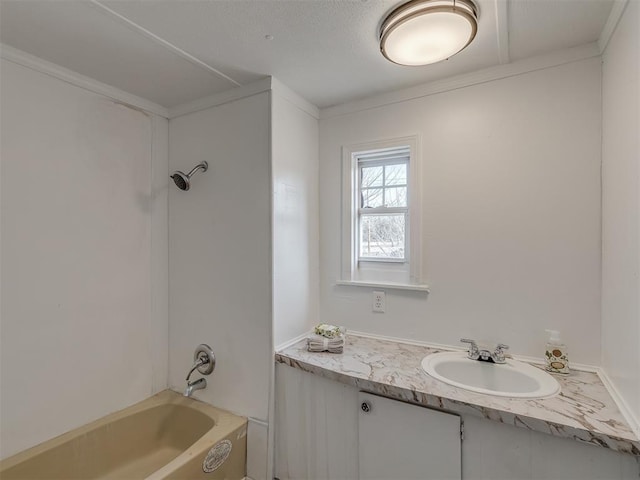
x,y
372,198
371,177
395,174
396,197
382,236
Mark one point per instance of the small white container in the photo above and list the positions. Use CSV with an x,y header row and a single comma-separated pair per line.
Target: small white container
x,y
556,354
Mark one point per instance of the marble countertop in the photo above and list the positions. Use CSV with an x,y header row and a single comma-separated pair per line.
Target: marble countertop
x,y
584,410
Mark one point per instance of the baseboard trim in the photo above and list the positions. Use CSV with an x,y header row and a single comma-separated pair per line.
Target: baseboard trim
x,y
584,367
440,346
293,341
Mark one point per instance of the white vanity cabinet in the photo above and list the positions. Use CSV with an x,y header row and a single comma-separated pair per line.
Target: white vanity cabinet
x,y
322,433
401,441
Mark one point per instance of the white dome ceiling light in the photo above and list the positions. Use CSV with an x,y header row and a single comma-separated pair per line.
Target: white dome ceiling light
x,y
421,32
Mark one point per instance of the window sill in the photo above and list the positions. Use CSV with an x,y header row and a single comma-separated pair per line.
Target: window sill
x,y
389,285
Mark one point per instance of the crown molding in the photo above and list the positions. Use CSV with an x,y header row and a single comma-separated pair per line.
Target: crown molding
x,y
221,98
27,60
612,22
496,72
285,92
32,62
264,85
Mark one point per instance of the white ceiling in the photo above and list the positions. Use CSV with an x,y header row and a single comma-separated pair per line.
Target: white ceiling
x,y
176,51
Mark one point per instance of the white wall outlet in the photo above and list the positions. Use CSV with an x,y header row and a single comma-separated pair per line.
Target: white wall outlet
x,y
378,302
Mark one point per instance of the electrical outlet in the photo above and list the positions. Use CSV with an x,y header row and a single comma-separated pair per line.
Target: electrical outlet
x,y
378,302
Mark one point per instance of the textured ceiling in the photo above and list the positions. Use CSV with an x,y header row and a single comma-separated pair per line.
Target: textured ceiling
x,y
325,50
542,26
176,51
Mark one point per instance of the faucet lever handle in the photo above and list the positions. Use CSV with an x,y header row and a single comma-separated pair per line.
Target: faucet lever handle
x,y
198,363
470,342
204,360
473,351
498,355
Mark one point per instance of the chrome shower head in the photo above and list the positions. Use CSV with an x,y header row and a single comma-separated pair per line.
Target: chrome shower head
x,y
183,181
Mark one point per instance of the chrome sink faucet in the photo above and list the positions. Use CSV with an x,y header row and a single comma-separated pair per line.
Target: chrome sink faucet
x,y
476,353
204,360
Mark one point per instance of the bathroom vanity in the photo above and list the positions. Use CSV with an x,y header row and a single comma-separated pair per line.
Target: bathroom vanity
x,y
540,448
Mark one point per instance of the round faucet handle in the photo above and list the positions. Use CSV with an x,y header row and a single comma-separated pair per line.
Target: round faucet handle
x,y
205,355
502,346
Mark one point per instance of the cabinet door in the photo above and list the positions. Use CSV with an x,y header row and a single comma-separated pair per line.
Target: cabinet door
x,y
401,441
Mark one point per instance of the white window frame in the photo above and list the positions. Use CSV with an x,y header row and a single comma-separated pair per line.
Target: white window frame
x,y
374,272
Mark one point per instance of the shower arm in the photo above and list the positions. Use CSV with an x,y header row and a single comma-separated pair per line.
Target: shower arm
x,y
202,165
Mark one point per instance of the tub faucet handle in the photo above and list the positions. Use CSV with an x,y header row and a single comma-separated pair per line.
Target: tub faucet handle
x,y
204,360
198,363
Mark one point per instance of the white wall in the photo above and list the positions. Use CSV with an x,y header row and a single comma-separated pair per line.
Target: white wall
x,y
511,213
295,220
220,260
295,224
83,324
220,253
317,438
621,209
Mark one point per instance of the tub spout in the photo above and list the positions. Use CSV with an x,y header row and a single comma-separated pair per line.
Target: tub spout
x,y
199,384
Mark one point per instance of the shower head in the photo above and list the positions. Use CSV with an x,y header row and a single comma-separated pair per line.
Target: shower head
x,y
183,181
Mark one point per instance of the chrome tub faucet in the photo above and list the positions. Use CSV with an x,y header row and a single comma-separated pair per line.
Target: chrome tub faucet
x,y
204,360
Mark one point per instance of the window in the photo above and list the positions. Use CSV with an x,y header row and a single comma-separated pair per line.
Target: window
x,y
383,210
381,222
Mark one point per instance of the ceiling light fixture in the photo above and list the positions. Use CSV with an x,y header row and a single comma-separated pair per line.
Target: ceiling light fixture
x,y
421,32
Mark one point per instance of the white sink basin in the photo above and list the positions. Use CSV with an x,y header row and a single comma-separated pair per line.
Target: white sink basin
x,y
511,379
